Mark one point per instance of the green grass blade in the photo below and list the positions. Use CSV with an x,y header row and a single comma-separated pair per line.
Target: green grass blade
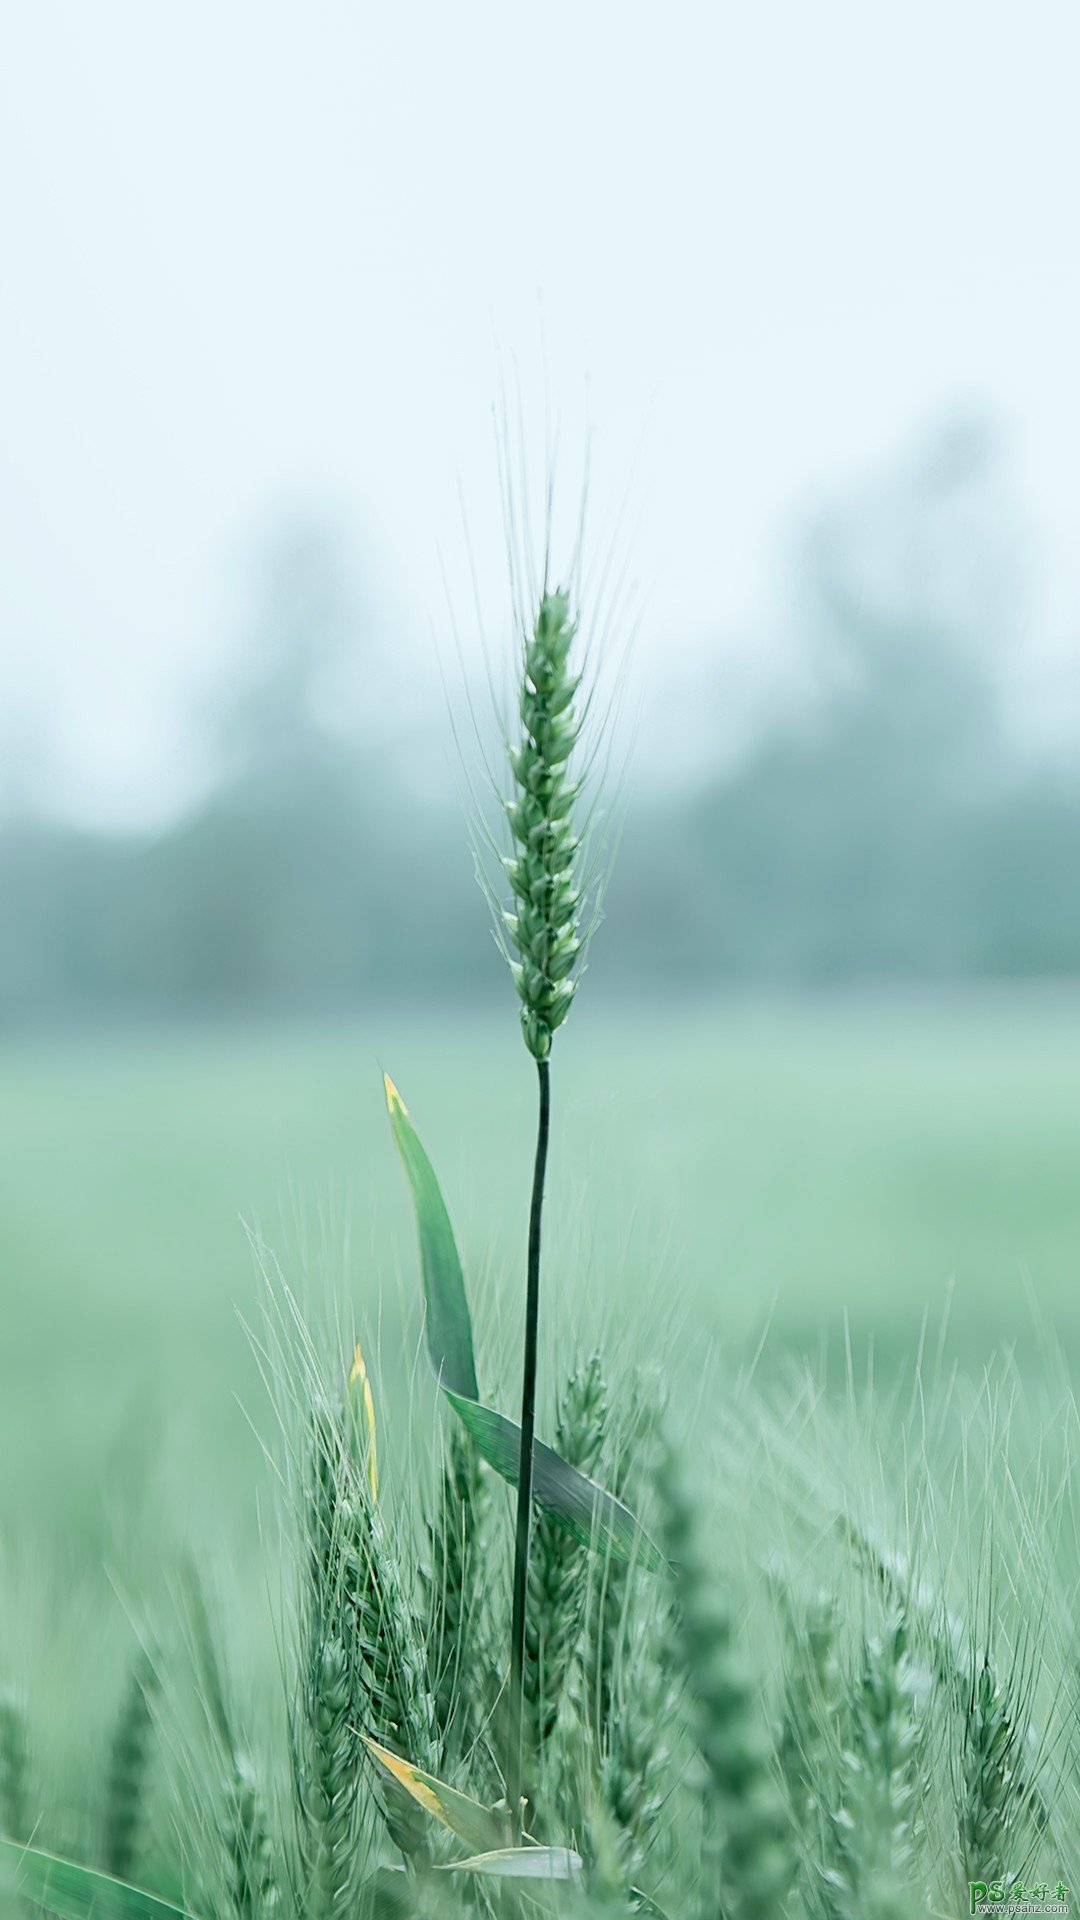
x,y
76,1893
449,1324
521,1863
585,1509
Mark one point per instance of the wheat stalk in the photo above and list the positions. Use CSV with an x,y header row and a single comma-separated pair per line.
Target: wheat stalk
x,y
542,929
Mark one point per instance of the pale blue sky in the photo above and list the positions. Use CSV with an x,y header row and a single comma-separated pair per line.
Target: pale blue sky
x,y
265,255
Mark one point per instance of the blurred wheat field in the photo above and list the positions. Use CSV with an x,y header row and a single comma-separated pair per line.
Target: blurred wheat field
x,y
743,1165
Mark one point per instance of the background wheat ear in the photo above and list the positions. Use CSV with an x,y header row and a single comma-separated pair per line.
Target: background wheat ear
x,y
455,1591
559,1565
875,1825
328,1762
128,1769
747,1863
15,1816
998,1800
238,1861
636,1749
809,1745
365,1666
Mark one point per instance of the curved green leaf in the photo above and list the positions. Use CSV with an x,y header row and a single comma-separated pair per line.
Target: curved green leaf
x,y
449,1324
521,1863
587,1511
77,1893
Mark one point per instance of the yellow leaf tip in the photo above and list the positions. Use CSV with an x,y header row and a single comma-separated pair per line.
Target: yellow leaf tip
x,y
408,1777
393,1097
358,1377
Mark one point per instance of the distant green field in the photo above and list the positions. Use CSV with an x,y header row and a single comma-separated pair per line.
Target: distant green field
x,y
712,1170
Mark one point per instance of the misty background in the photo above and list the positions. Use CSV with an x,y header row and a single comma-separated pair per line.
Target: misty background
x,y
808,290
873,802
279,288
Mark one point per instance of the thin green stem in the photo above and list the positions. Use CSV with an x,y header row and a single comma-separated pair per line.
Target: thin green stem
x,y
525,1458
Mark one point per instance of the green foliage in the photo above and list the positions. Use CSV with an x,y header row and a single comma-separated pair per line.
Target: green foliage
x,y
792,1724
78,1893
589,1513
548,1864
709,1739
448,1322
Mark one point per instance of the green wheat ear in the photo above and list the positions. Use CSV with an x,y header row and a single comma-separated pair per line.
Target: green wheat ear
x,y
543,926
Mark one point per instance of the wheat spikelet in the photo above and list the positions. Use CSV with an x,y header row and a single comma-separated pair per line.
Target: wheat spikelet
x,y
453,1597
637,1751
995,1791
995,1763
252,1877
807,1745
364,1613
543,928
391,1694
610,1626
327,1754
559,1566
328,1786
631,1689
876,1826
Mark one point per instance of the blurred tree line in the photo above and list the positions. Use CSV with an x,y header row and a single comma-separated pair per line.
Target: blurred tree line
x,y
888,826
898,826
